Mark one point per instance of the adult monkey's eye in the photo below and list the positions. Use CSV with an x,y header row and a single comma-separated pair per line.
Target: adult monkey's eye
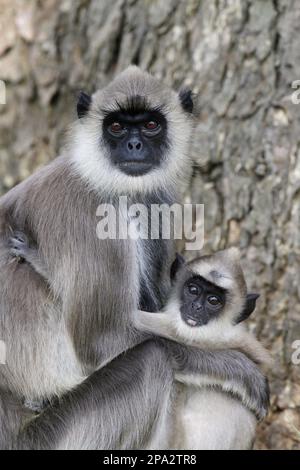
x,y
213,300
151,125
193,289
116,127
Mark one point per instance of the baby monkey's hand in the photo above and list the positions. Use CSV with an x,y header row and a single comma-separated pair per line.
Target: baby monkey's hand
x,y
20,247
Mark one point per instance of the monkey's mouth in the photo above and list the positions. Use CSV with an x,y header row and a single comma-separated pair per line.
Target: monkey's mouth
x,y
193,322
134,168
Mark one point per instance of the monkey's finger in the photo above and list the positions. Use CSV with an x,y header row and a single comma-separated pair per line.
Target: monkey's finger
x,y
17,243
16,253
20,236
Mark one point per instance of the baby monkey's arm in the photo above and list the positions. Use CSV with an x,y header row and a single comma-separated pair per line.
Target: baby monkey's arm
x,y
162,324
158,324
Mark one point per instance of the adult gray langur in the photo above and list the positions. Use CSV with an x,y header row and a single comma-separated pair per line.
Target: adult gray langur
x,y
67,297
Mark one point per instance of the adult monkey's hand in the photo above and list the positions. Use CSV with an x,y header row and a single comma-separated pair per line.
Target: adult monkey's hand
x,y
232,369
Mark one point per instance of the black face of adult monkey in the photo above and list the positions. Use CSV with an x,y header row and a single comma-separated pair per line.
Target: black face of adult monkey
x,y
60,316
136,137
136,132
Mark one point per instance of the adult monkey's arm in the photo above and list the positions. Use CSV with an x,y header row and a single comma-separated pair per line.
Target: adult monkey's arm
x,y
230,368
115,408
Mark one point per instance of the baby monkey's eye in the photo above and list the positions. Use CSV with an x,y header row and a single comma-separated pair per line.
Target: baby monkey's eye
x,y
193,289
116,127
213,300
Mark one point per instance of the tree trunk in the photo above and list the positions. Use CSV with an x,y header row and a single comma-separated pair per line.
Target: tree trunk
x,y
241,58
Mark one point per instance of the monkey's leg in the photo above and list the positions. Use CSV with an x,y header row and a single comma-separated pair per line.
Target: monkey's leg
x,y
231,370
117,407
19,247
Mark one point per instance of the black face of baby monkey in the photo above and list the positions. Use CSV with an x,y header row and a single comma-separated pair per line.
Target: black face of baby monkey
x,y
201,301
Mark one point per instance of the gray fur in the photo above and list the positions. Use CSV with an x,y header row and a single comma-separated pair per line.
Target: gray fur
x,y
120,403
61,332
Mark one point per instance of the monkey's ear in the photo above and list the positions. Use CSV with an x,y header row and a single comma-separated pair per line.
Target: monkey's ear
x,y
186,100
176,265
83,104
249,307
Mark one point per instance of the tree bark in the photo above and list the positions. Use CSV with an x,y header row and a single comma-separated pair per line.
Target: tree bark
x,y
241,58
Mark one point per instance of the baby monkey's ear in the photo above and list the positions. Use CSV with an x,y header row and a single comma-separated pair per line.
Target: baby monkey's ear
x,y
249,307
176,265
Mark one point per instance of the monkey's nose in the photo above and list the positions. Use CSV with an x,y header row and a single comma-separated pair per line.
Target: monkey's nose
x,y
197,306
134,145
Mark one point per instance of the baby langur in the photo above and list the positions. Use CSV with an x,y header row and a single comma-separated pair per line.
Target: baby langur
x,y
208,302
